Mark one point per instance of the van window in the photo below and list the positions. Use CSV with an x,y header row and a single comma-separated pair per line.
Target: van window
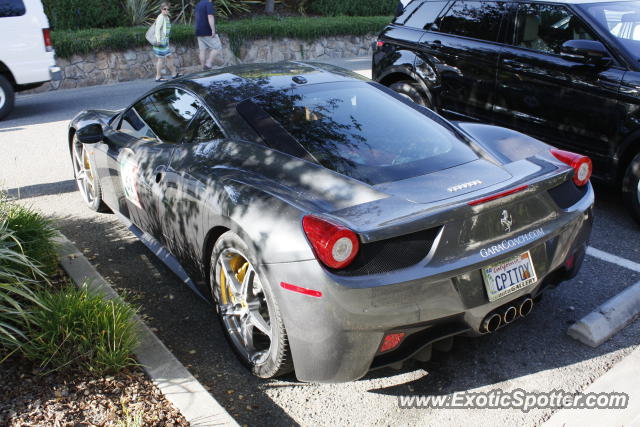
x,y
11,8
475,19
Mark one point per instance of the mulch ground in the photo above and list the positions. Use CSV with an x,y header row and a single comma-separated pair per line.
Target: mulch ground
x,y
67,399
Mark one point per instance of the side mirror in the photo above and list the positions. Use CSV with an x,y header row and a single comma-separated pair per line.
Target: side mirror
x,y
585,52
90,134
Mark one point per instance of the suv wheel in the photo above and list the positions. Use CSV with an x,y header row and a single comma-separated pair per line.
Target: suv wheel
x,y
412,91
7,97
631,187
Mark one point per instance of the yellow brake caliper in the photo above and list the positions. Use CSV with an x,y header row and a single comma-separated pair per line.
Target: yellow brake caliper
x,y
238,268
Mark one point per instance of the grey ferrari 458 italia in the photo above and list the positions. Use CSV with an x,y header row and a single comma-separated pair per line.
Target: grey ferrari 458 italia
x,y
336,226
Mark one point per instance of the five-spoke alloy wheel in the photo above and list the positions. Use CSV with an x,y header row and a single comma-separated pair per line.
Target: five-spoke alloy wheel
x,y
86,178
247,310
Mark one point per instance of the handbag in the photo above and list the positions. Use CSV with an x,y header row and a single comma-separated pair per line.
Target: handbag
x,y
151,34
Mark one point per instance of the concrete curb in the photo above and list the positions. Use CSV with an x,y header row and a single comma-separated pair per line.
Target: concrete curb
x,y
601,324
166,372
622,378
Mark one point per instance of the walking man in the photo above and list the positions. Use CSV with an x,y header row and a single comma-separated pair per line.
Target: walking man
x,y
208,39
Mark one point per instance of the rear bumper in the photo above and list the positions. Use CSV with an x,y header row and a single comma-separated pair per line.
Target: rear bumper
x,y
336,337
55,73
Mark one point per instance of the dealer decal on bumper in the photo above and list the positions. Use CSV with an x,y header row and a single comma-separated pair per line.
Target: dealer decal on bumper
x,y
507,244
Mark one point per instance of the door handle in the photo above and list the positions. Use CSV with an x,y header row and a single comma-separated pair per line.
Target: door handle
x,y
436,44
515,65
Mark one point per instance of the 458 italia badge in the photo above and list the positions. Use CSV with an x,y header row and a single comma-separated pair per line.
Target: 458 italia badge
x,y
129,175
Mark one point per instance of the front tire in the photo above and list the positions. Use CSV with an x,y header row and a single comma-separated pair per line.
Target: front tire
x,y
84,171
247,309
631,188
7,97
412,91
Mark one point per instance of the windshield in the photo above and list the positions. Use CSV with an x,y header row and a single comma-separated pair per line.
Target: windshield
x,y
360,131
621,19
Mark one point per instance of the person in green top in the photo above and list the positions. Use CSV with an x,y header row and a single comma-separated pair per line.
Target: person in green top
x,y
162,50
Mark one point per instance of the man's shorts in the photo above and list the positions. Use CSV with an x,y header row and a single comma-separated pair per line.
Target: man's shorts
x,y
209,42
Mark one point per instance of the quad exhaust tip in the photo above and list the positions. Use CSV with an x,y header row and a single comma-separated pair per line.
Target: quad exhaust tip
x,y
526,307
506,315
510,315
492,322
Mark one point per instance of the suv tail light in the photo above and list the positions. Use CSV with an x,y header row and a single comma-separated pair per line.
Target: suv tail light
x,y
581,165
46,33
335,245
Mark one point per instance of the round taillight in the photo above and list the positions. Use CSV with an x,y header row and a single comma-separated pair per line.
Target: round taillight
x,y
582,166
335,245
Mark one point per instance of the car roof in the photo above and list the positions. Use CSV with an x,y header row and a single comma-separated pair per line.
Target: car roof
x,y
230,85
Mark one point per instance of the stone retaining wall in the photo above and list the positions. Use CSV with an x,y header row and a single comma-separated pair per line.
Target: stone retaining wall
x,y
112,67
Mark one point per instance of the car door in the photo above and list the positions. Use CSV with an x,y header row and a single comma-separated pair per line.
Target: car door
x,y
184,193
568,104
138,152
462,47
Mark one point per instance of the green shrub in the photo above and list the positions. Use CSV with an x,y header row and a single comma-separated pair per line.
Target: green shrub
x,y
16,295
352,7
81,330
35,234
77,14
68,43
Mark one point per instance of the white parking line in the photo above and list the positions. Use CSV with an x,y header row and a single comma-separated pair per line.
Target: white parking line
x,y
614,259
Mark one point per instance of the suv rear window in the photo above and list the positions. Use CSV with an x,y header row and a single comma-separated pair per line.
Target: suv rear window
x,y
360,131
425,15
11,8
475,19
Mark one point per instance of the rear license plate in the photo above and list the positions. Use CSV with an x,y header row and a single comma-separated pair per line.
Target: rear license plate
x,y
508,276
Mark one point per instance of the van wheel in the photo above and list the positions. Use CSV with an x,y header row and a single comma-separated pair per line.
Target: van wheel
x,y
631,187
412,91
7,97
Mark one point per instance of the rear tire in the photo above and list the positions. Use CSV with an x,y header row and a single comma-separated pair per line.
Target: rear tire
x,y
247,310
7,97
631,188
412,91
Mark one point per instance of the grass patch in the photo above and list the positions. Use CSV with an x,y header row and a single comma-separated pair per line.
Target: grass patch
x,y
81,330
35,234
68,43
18,277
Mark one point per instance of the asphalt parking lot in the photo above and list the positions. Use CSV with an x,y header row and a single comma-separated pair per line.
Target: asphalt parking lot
x,y
534,353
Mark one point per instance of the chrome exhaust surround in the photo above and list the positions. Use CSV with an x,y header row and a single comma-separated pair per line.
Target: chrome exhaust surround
x,y
526,307
510,315
491,323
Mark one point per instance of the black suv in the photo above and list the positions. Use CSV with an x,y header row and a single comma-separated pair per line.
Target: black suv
x,y
565,72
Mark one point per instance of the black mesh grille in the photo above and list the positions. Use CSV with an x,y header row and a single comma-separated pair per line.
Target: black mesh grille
x,y
391,254
567,194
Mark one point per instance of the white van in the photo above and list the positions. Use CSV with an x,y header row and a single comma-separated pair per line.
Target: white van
x,y
26,53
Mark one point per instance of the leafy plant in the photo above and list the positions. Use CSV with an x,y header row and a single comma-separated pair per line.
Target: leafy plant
x,y
353,7
16,295
131,418
77,14
68,43
141,12
81,330
35,233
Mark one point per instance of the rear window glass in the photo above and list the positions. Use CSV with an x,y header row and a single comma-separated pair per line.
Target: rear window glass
x,y
11,8
475,19
426,15
360,131
407,12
